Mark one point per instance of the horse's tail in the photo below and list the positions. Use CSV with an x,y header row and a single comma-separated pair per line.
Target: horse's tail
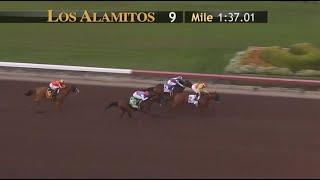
x,y
29,92
111,105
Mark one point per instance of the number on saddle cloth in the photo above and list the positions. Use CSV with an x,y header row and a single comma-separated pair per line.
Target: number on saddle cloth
x,y
167,88
191,99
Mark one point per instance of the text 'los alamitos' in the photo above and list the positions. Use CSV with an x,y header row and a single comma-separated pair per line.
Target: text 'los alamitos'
x,y
98,17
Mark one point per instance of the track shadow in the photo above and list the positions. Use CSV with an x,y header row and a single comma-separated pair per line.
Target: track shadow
x,y
40,111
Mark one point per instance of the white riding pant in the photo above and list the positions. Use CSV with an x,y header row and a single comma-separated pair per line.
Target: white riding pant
x,y
139,96
53,87
171,83
193,87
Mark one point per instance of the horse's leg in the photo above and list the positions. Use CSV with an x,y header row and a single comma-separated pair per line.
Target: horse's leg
x,y
122,113
203,108
128,110
129,114
161,101
146,109
36,104
58,104
174,106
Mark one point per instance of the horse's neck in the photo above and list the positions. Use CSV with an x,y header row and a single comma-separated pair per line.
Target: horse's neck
x,y
179,89
66,91
151,99
208,95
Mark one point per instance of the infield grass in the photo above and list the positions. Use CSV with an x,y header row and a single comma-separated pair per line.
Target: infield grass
x,y
203,48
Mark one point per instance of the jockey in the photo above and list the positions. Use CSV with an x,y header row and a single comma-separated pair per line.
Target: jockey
x,y
56,85
171,83
198,88
142,95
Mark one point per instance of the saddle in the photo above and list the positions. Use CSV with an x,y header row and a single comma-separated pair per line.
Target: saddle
x,y
168,89
192,98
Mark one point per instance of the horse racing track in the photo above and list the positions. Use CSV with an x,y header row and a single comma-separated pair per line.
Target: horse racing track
x,y
245,136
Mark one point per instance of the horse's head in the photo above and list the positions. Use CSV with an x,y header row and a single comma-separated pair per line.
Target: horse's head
x,y
179,88
153,95
70,88
74,89
215,96
187,83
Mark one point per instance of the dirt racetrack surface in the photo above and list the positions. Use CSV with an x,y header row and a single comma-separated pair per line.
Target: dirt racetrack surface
x,y
245,136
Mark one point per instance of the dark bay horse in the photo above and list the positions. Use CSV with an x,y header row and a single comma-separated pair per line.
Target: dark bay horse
x,y
166,96
125,107
41,94
182,98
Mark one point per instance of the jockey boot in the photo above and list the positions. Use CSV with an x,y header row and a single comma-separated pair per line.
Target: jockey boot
x,y
196,103
196,98
54,95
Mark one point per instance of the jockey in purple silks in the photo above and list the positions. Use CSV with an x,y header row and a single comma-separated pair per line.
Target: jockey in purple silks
x,y
173,82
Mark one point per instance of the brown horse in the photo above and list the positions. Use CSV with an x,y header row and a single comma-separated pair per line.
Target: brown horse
x,y
166,96
183,98
125,107
42,94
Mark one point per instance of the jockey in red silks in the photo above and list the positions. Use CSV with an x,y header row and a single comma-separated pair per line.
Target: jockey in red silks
x,y
56,85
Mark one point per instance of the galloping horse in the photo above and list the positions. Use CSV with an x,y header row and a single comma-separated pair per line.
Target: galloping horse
x,y
166,96
125,107
41,94
184,98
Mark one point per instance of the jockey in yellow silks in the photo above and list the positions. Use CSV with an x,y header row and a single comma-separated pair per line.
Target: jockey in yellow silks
x,y
198,88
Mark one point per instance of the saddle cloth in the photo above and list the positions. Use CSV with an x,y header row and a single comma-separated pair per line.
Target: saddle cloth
x,y
191,98
134,102
166,88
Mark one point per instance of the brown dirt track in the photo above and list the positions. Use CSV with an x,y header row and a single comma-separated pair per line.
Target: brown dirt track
x,y
246,136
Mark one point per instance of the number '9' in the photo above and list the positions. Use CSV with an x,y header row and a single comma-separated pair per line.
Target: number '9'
x,y
172,16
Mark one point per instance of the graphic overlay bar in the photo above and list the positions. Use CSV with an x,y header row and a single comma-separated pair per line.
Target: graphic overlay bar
x,y
169,16
90,16
226,17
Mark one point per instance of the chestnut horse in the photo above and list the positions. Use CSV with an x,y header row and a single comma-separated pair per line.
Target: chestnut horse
x,y
41,94
125,107
166,96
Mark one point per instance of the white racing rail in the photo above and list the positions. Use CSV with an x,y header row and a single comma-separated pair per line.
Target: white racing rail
x,y
64,67
268,80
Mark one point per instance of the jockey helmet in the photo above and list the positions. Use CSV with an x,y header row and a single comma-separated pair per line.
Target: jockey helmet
x,y
61,80
179,77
